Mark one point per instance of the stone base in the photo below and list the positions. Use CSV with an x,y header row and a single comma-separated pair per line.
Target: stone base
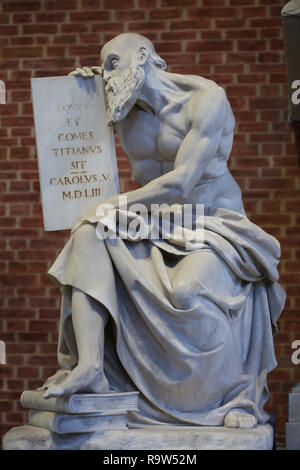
x,y
292,432
151,438
294,407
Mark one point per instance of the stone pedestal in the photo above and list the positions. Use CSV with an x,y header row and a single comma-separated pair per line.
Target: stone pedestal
x,y
292,428
151,438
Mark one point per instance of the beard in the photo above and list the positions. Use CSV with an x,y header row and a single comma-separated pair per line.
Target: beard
x,y
122,92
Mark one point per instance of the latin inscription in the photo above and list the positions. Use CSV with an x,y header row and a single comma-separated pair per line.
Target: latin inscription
x,y
76,150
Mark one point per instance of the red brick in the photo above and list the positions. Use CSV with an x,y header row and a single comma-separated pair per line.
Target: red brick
x,y
56,17
75,28
33,337
207,46
119,4
49,63
4,19
253,12
237,34
84,50
4,42
63,39
173,36
213,3
8,30
251,45
166,14
269,57
61,5
90,16
48,348
146,26
28,372
40,29
265,219
213,12
268,103
21,5
169,47
42,360
230,23
129,15
272,183
90,4
200,23
243,90
117,27
269,33
7,222
20,18
15,418
5,406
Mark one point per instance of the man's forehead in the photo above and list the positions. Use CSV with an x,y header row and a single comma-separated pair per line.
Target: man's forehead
x,y
111,48
118,47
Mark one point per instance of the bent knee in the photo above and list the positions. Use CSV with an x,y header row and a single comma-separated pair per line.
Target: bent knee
x,y
183,294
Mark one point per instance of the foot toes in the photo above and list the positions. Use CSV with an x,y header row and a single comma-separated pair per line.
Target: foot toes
x,y
54,392
230,421
238,419
247,423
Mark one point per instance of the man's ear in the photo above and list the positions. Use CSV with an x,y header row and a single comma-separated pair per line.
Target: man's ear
x,y
143,55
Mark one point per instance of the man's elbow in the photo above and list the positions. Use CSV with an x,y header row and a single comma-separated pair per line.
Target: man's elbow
x,y
178,185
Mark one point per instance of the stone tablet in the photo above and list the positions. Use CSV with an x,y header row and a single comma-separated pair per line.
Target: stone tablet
x,y
76,149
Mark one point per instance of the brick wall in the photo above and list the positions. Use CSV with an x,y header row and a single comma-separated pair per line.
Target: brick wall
x,y
238,43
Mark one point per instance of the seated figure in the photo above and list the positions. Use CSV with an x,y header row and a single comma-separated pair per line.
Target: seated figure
x,y
190,328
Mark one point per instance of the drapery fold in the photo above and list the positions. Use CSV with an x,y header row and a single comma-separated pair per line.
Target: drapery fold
x,y
195,352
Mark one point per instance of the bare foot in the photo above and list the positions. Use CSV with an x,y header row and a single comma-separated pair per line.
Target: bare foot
x,y
239,419
55,379
80,379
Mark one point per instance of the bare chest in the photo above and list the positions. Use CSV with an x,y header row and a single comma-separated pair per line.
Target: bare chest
x,y
144,136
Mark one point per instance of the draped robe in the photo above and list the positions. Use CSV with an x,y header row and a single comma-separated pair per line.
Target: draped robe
x,y
194,353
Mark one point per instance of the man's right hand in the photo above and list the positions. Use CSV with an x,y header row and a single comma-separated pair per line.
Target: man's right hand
x,y
87,72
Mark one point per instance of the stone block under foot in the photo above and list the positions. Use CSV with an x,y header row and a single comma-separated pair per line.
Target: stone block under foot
x,y
151,438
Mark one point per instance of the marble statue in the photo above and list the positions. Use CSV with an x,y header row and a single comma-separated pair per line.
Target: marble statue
x,y
190,329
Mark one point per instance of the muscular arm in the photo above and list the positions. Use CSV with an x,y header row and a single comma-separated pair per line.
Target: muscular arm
x,y
207,117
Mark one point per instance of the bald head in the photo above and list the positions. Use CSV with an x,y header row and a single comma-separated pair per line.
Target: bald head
x,y
129,44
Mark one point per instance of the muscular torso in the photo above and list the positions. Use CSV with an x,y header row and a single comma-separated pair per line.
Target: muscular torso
x,y
151,142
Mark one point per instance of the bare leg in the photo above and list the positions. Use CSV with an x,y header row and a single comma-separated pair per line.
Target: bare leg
x,y
89,319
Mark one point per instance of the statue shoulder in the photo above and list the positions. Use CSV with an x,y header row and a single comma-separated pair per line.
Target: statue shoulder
x,y
208,103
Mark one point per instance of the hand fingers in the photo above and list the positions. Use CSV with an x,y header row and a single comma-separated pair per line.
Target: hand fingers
x,y
89,72
79,72
97,69
53,392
